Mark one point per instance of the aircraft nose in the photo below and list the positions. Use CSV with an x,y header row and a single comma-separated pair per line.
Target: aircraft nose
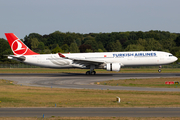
x,y
175,58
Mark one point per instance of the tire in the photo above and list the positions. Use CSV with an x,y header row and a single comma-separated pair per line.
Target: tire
x,y
159,70
88,73
94,72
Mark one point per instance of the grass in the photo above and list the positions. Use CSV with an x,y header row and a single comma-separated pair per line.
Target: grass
x,y
123,70
91,118
26,96
149,82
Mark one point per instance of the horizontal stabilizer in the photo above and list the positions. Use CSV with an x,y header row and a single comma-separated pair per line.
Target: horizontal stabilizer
x,y
19,58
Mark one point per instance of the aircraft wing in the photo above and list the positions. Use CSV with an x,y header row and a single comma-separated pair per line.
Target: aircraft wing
x,y
83,61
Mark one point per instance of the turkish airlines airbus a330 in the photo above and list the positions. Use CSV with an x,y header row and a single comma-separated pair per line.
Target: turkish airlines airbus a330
x,y
111,61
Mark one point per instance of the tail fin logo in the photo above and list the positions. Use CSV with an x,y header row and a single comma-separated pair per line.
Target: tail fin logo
x,y
18,47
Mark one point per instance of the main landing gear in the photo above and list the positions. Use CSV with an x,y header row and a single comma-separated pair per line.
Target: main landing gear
x,y
91,72
160,69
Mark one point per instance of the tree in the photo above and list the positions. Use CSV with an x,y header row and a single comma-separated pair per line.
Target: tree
x,y
152,44
4,50
153,34
74,48
99,50
177,41
56,38
27,39
133,47
52,46
117,46
41,46
78,42
69,39
92,43
111,46
132,36
140,34
150,40
168,44
104,39
65,48
57,50
100,46
178,55
34,43
83,47
47,51
88,50
142,42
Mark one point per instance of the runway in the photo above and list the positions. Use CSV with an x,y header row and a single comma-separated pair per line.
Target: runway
x,y
90,112
81,81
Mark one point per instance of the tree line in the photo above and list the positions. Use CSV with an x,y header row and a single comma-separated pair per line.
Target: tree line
x,y
97,42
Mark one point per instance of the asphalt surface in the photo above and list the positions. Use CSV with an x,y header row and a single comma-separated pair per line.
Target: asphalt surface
x,y
90,112
81,81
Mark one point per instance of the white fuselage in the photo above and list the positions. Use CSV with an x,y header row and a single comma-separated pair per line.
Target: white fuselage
x,y
137,58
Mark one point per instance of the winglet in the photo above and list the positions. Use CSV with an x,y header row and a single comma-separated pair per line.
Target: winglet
x,y
61,55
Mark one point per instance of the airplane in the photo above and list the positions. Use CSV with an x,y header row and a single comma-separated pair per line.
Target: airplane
x,y
111,61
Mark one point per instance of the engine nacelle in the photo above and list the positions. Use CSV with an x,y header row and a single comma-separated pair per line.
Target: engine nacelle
x,y
113,67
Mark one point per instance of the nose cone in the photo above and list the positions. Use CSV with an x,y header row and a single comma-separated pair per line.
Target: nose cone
x,y
175,58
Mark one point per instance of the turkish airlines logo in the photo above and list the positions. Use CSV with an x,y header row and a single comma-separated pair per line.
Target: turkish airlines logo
x,y
18,48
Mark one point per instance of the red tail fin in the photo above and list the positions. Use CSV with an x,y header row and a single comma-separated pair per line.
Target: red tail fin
x,y
17,46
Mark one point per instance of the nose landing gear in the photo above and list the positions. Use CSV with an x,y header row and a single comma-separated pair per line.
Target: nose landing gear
x,y
160,69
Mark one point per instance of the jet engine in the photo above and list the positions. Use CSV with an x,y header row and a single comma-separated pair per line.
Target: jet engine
x,y
113,67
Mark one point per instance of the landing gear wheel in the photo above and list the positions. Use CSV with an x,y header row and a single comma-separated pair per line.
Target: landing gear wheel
x,y
88,73
93,72
159,70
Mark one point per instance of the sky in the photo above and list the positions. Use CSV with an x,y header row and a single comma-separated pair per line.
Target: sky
x,y
23,17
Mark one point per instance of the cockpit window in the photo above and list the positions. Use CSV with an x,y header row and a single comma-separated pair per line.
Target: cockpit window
x,y
170,55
